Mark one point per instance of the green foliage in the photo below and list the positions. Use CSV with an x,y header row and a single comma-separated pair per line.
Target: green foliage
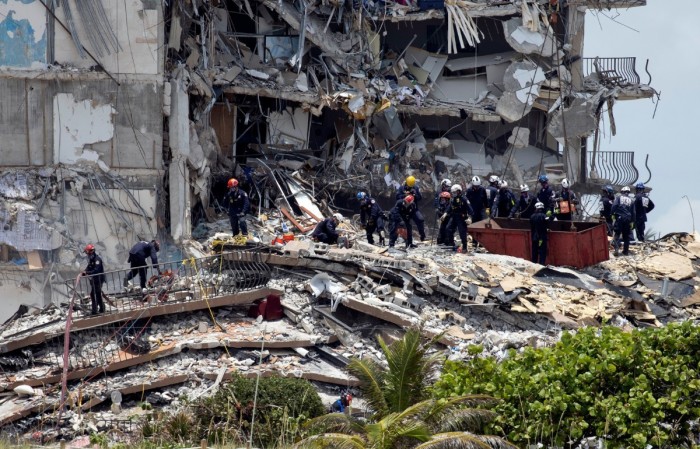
x,y
636,388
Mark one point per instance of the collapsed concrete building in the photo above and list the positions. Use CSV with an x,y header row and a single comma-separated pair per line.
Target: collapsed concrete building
x,y
123,119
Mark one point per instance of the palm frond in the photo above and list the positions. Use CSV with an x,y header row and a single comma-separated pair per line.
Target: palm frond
x,y
466,419
334,423
448,408
385,433
454,440
495,442
371,378
332,440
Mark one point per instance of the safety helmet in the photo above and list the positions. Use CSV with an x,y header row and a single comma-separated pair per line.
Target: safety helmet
x,y
456,188
445,195
625,189
608,189
89,248
338,217
233,182
156,244
493,179
410,181
539,205
408,199
640,186
565,183
476,181
361,195
543,178
503,185
446,183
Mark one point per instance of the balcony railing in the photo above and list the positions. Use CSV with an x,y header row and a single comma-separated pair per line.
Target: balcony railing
x,y
612,71
612,167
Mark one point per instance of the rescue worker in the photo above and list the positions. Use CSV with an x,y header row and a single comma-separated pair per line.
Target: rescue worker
x,y
491,192
642,206
456,215
504,202
546,194
607,196
538,232
525,206
623,212
404,211
238,204
326,232
137,258
566,202
478,199
409,188
442,206
95,269
371,218
440,203
341,403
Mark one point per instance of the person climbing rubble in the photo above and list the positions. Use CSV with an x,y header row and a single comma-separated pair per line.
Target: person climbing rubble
x,y
504,201
623,212
642,206
478,199
546,194
538,232
456,215
95,270
238,204
404,211
492,193
525,206
409,188
442,200
371,217
565,202
326,232
137,258
607,196
343,402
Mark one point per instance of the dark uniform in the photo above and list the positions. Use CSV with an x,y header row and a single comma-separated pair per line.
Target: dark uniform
x,y
606,212
525,206
458,212
238,204
402,192
642,206
325,231
503,203
372,218
491,194
137,258
624,214
546,196
95,269
402,212
538,231
479,201
566,201
441,205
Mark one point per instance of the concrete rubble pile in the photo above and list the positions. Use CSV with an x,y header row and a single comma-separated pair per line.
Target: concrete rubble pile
x,y
334,302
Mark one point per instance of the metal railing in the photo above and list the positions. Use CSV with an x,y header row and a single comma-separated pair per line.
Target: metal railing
x,y
181,281
615,167
613,71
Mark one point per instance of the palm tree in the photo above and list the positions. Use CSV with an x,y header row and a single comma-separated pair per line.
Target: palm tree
x,y
403,415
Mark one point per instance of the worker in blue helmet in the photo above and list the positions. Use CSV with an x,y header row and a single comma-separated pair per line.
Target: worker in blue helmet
x,y
642,205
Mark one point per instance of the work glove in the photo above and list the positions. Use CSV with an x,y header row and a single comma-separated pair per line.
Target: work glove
x,y
540,243
488,211
556,211
549,213
443,217
631,225
469,221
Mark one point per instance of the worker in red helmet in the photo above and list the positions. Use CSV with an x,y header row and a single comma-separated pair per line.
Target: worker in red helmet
x,y
404,211
95,272
137,258
238,204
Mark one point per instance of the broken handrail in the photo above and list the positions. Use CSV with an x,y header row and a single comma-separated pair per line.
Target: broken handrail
x,y
617,167
619,71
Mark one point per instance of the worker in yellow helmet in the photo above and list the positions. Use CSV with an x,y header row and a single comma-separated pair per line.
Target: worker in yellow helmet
x,y
410,188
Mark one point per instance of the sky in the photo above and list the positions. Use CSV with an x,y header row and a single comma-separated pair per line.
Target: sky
x,y
665,32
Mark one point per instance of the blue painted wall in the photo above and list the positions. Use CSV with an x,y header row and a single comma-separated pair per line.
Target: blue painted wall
x,y
19,44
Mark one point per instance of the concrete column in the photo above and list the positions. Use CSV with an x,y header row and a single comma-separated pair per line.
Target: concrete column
x,y
574,148
179,131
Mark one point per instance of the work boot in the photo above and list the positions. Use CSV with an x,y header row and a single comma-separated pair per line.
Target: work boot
x,y
411,246
616,253
126,281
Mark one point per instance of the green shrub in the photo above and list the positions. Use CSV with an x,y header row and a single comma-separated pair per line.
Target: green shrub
x,y
633,388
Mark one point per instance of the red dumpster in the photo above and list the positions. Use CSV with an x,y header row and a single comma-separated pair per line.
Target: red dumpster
x,y
575,244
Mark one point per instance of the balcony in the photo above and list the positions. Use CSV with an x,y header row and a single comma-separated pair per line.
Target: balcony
x,y
612,72
611,167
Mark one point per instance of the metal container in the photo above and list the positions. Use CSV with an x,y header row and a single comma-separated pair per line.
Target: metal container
x,y
571,243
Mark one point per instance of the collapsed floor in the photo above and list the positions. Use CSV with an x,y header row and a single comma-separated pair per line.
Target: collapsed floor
x,y
195,331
